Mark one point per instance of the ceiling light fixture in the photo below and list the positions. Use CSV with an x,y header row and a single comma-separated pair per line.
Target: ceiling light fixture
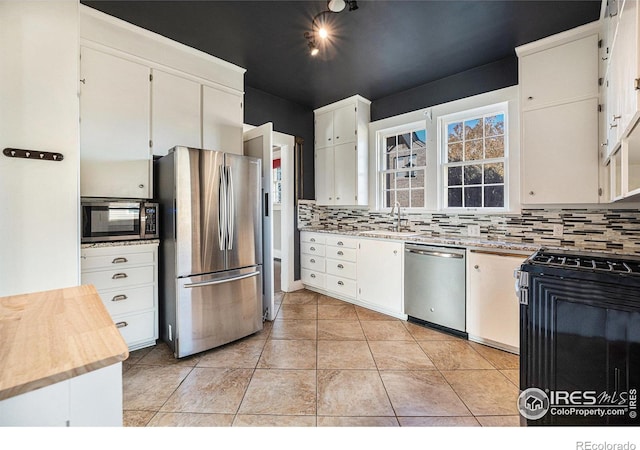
x,y
319,29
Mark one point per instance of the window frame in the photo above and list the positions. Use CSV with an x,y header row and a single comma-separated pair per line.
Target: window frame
x,y
463,116
381,136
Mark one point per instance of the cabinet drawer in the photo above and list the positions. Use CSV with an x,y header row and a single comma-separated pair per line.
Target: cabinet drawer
x,y
118,278
312,278
136,328
128,300
312,249
343,286
341,253
341,269
312,262
313,238
342,241
115,260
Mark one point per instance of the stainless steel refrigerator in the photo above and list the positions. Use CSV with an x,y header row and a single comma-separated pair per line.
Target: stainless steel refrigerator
x,y
211,248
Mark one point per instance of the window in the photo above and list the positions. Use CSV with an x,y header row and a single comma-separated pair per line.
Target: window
x,y
474,159
403,168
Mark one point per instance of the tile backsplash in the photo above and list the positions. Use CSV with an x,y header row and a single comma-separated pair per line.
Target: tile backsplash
x,y
587,229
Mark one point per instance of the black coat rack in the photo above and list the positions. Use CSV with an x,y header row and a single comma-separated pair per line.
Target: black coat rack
x,y
32,154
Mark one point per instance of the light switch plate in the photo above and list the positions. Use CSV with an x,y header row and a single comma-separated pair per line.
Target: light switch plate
x,y
473,230
558,230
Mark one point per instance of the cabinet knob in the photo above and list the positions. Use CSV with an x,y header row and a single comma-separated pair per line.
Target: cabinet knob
x,y
141,186
340,266
312,240
340,253
337,198
329,139
340,243
313,249
340,283
312,261
476,267
395,252
532,193
337,137
121,324
529,98
313,275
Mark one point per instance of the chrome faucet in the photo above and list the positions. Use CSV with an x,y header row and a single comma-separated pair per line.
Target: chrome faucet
x,y
396,227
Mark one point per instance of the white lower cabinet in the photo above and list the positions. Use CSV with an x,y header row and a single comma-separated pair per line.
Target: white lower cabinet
x,y
380,275
493,309
92,399
126,279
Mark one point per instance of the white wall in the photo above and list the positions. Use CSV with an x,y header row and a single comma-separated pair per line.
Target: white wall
x,y
39,110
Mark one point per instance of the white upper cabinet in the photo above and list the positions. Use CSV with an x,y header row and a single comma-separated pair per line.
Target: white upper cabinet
x,y
222,118
341,152
559,74
559,103
115,159
175,112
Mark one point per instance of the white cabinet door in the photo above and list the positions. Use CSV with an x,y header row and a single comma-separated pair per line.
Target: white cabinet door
x,y
324,174
222,118
115,159
492,306
344,125
566,72
560,154
324,129
380,275
345,174
175,112
626,53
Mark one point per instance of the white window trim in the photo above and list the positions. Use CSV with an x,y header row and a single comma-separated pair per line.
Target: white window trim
x,y
380,145
502,107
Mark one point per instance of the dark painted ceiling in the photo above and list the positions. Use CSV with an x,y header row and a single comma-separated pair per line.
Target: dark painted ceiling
x,y
382,48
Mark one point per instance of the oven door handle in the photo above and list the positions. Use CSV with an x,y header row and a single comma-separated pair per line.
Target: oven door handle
x,y
435,253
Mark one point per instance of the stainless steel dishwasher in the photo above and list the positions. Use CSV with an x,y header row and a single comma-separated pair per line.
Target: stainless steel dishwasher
x,y
435,286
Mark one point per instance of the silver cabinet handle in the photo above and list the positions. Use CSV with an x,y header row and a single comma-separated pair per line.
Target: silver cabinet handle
x,y
117,276
476,266
119,260
312,240
340,283
313,275
340,243
340,266
119,298
614,117
313,261
313,249
340,253
121,324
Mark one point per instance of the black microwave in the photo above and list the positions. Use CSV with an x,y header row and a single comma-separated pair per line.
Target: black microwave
x,y
107,219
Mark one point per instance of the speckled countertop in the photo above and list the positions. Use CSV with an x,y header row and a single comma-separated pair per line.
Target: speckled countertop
x,y
119,243
462,241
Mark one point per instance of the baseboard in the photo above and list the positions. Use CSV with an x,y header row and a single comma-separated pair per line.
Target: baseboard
x,y
295,286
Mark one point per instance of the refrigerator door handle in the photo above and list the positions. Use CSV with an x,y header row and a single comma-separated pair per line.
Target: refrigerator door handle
x,y
224,280
231,208
222,210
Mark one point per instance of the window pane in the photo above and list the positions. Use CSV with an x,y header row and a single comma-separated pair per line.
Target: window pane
x,y
494,147
417,178
419,138
389,181
417,198
473,197
454,176
391,143
473,129
454,197
389,198
494,173
473,150
403,198
404,141
494,196
472,174
454,132
454,152
494,125
403,180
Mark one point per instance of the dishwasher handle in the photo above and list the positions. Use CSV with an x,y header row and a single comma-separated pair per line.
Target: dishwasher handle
x,y
439,254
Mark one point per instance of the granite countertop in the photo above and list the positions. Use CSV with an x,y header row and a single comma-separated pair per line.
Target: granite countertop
x,y
119,243
51,336
463,241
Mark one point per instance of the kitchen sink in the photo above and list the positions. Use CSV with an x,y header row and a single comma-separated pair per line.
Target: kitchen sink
x,y
386,233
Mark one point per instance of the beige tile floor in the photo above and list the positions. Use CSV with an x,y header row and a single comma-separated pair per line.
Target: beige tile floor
x,y
324,362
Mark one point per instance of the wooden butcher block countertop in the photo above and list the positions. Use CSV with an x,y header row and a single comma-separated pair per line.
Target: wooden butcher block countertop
x,y
51,336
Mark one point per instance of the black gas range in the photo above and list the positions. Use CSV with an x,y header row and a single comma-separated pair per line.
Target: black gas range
x,y
579,338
